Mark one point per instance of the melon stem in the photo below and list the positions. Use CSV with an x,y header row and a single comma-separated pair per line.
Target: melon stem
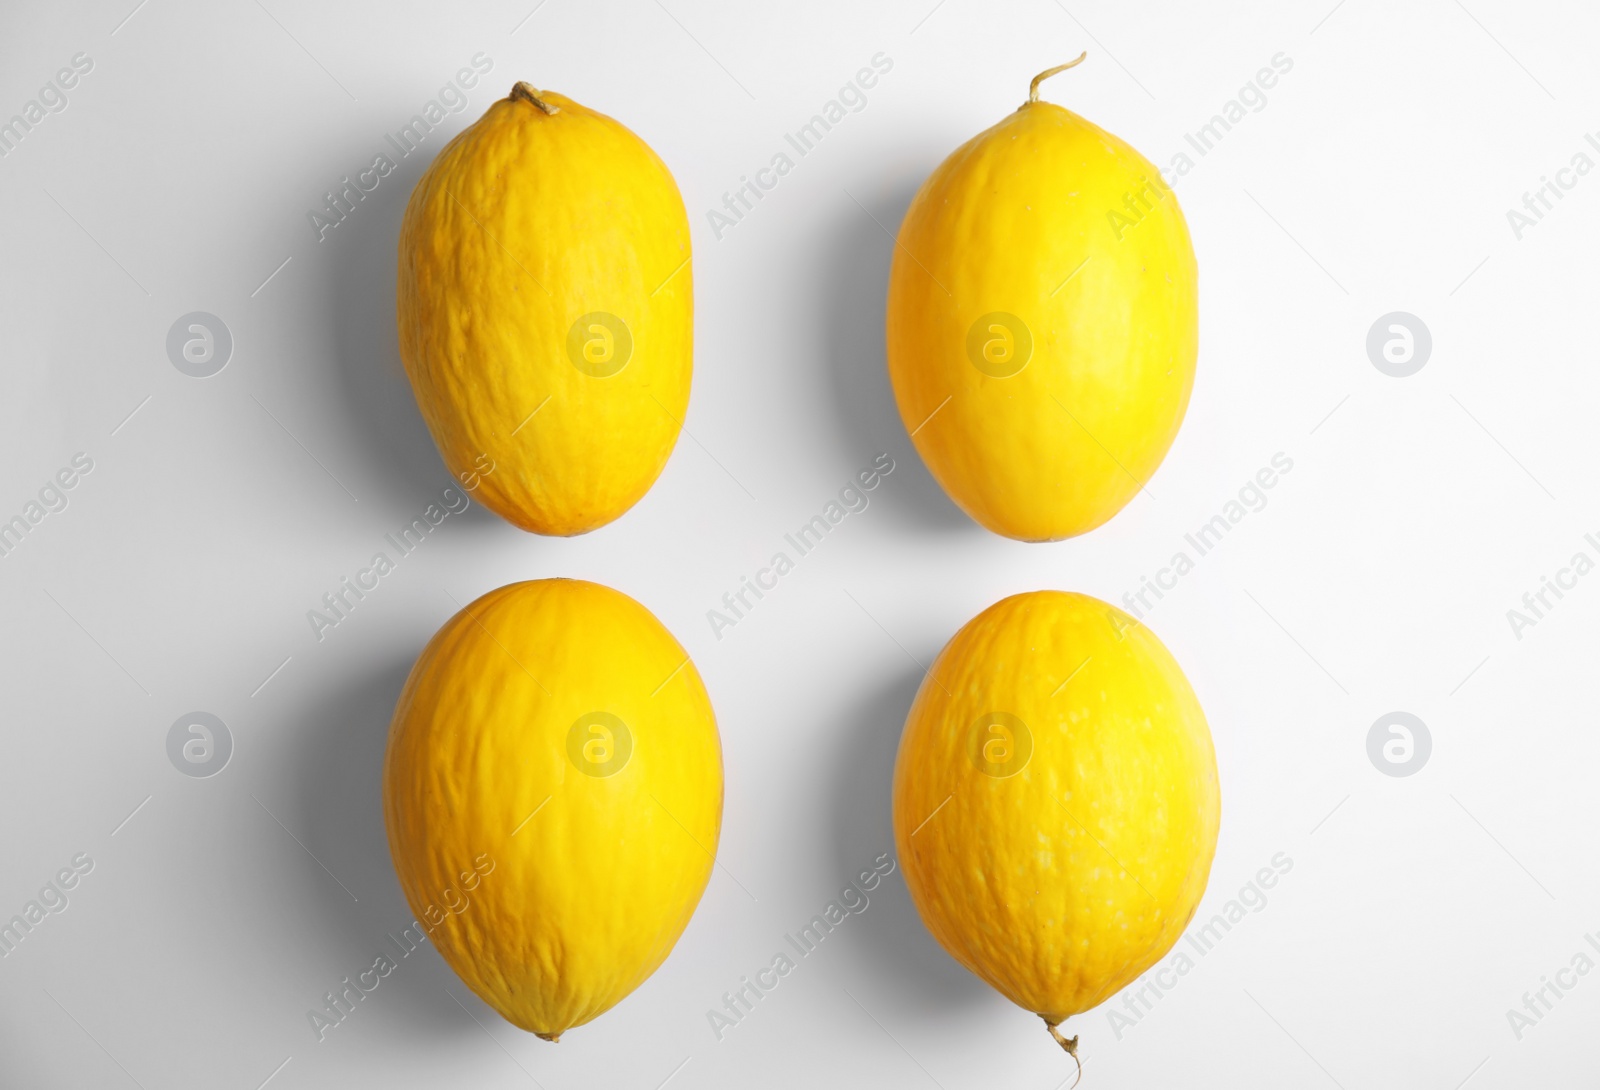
x,y
527,92
1068,1044
1033,88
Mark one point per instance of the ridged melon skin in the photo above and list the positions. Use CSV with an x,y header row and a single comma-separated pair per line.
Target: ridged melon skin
x,y
1056,802
538,253
1048,245
579,854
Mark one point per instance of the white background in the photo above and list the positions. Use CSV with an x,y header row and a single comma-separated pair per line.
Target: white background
x,y
1377,178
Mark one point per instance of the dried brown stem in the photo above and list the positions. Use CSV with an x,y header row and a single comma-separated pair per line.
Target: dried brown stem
x,y
1069,1045
527,92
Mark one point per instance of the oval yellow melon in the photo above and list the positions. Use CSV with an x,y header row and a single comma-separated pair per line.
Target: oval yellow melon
x,y
1055,801
553,797
1043,323
546,311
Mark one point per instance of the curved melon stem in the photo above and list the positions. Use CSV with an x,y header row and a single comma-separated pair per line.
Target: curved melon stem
x,y
1069,1045
1033,88
555,1038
